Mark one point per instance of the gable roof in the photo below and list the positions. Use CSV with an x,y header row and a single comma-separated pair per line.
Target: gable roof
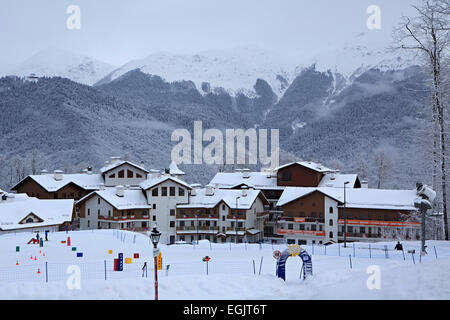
x,y
228,196
257,180
337,180
109,167
356,198
48,182
151,182
132,199
19,206
173,169
308,164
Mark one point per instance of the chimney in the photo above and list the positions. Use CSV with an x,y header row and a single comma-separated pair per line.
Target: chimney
x,y
120,191
194,187
364,184
114,160
155,173
44,172
245,173
142,164
244,191
209,190
89,170
101,186
58,175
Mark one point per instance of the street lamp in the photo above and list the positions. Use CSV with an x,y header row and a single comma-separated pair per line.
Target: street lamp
x,y
345,219
236,226
155,235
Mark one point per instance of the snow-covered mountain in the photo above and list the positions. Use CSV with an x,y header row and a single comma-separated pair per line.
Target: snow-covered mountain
x,y
56,62
233,70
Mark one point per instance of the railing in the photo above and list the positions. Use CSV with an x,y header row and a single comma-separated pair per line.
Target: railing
x,y
122,218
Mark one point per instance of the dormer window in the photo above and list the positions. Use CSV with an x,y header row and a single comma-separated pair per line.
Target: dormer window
x,y
121,174
129,174
112,176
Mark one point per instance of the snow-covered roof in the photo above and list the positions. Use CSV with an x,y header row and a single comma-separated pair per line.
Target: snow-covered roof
x,y
132,198
202,200
118,163
151,182
49,183
357,197
174,170
257,180
337,180
308,164
19,206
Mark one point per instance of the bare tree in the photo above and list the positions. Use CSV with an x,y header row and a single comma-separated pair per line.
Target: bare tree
x,y
383,163
427,34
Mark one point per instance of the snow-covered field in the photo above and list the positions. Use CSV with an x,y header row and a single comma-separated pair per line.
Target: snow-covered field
x,y
236,271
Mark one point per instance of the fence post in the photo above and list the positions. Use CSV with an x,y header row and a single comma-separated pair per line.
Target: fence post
x,y
350,257
339,249
435,252
46,271
260,265
325,250
354,252
312,248
412,255
403,252
386,254
254,270
105,269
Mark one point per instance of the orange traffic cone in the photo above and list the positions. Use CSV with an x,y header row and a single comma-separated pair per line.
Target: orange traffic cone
x,y
35,258
39,271
17,262
43,254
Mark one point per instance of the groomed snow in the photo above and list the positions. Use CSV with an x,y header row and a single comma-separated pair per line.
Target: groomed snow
x,y
231,274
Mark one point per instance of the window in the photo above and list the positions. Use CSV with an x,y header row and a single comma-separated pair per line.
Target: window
x,y
223,207
154,206
89,212
285,175
138,175
313,227
154,218
331,222
172,191
121,174
313,214
172,224
29,220
180,192
155,192
331,210
89,223
290,226
98,200
112,176
98,212
164,191
302,227
313,204
362,229
302,214
129,174
362,216
172,212
290,214
181,223
223,218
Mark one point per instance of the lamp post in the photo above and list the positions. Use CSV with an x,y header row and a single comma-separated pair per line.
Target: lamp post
x,y
345,219
155,239
236,226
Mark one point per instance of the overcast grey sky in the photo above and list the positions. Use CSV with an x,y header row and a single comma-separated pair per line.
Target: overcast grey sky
x,y
117,31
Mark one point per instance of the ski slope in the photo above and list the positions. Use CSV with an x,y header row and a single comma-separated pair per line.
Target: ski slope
x,y
236,271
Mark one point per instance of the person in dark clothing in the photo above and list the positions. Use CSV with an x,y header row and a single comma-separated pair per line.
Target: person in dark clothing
x,y
398,246
37,236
